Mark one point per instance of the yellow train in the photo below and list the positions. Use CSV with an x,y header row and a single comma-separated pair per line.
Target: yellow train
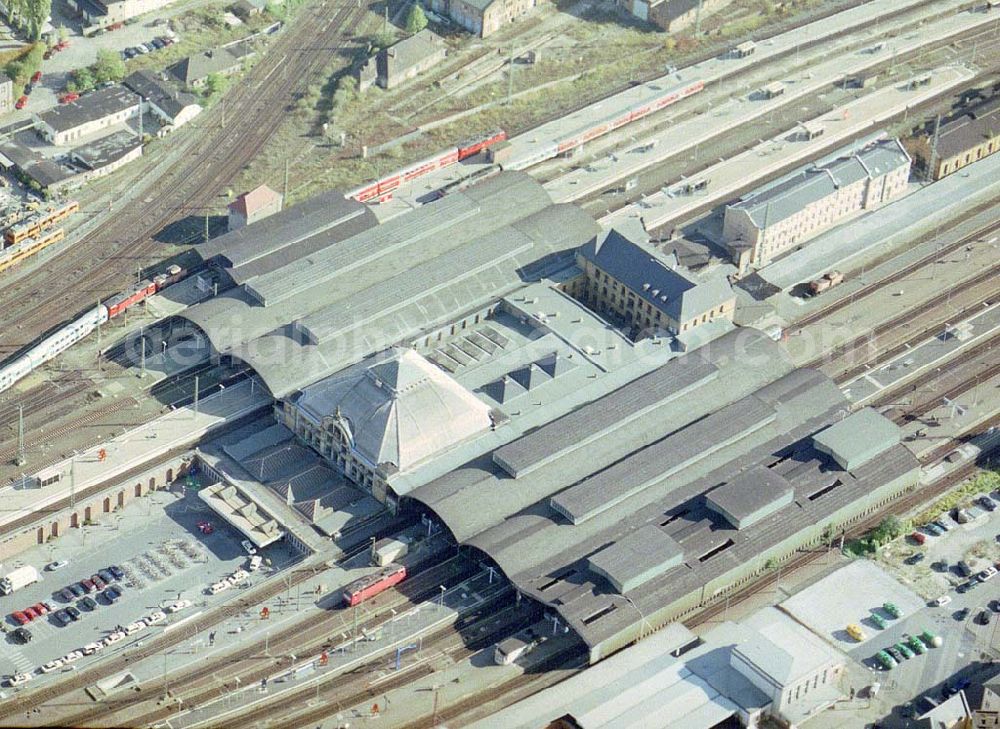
x,y
13,255
39,221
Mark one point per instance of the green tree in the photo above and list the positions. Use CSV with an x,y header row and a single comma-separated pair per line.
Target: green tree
x,y
382,39
416,21
215,85
36,13
109,66
84,79
888,529
62,32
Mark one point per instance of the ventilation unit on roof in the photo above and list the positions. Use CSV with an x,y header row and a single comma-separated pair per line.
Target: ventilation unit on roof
x,y
645,287
656,292
663,298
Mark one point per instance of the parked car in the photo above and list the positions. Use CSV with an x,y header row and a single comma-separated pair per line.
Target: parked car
x,y
994,605
943,600
52,666
892,610
74,614
158,43
117,571
854,630
73,656
57,565
962,614
88,585
918,537
69,98
106,575
904,649
62,617
96,579
155,618
28,88
987,573
987,503
21,103
878,620
885,660
42,608
88,602
942,525
20,617
18,678
896,655
30,613
248,546
22,635
984,617
112,592
177,606
915,558
36,77
91,648
77,590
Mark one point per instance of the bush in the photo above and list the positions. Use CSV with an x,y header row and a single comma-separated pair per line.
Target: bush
x,y
109,66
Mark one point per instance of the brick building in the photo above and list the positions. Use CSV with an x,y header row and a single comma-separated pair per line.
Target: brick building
x,y
672,15
252,206
625,277
774,219
482,17
402,61
962,141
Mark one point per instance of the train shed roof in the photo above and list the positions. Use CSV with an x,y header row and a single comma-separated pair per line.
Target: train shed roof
x,y
321,312
549,534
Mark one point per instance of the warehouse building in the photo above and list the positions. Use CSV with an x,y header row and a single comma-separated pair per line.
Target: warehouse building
x,y
765,665
90,113
961,141
173,107
402,61
631,282
696,474
483,17
777,218
673,16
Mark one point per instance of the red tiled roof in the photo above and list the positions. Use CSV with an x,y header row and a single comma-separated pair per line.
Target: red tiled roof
x,y
250,202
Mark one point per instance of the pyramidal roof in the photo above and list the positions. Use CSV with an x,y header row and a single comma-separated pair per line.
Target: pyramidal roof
x,y
402,410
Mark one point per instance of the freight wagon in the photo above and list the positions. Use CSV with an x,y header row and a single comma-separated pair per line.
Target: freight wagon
x,y
368,586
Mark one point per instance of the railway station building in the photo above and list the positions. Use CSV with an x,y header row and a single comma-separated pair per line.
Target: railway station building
x,y
627,279
696,475
782,215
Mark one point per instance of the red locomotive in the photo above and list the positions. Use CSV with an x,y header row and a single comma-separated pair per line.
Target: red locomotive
x,y
381,190
145,288
368,586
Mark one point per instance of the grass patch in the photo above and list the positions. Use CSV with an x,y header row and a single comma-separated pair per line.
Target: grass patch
x,y
985,482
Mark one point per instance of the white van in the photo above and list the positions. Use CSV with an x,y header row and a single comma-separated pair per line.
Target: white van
x,y
255,562
218,587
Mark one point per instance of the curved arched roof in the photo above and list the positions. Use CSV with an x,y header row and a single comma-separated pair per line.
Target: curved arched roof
x,y
329,309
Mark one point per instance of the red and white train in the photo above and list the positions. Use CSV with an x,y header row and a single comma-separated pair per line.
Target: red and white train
x,y
368,586
71,333
381,190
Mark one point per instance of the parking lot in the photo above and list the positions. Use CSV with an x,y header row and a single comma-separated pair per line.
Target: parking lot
x,y
165,558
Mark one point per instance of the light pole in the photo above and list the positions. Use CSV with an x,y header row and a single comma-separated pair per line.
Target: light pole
x,y
443,590
641,615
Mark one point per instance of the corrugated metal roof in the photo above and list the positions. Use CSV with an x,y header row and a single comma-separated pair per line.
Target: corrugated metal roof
x,y
750,496
858,438
422,270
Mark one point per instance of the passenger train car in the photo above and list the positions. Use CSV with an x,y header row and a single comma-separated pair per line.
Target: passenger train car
x,y
381,190
66,336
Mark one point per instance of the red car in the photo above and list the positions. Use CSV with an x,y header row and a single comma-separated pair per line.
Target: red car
x,y
36,77
88,585
41,608
21,103
205,527
68,98
96,579
30,613
20,617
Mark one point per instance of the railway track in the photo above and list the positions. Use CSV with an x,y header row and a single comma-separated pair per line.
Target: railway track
x,y
471,633
901,273
106,259
200,685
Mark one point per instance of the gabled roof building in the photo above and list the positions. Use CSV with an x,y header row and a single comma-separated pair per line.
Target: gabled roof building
x,y
776,218
626,278
250,207
171,105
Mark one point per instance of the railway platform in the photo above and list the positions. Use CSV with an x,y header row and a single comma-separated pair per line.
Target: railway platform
x,y
801,85
103,462
780,153
406,632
